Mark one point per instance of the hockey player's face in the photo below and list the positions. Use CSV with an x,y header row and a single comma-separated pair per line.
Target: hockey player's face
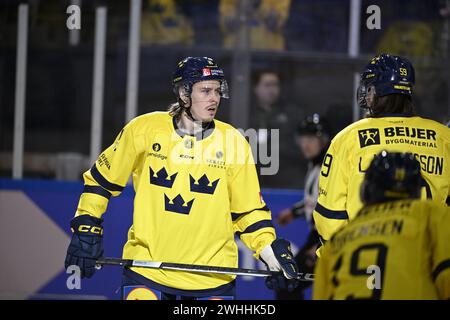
x,y
205,99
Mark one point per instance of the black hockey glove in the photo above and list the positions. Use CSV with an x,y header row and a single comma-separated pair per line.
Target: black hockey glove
x,y
278,257
86,245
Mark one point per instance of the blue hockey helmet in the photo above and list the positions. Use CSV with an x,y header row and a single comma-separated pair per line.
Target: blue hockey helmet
x,y
392,176
388,75
195,69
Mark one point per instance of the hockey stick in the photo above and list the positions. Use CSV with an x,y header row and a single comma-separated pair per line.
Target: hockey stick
x,y
195,268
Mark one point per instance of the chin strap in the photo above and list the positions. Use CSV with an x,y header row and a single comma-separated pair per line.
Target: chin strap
x,y
186,108
205,125
189,114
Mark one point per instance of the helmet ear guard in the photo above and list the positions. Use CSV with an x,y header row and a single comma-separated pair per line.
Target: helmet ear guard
x,y
361,96
363,90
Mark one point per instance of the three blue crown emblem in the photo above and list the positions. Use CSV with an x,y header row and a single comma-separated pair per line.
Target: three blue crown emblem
x,y
161,178
177,204
203,185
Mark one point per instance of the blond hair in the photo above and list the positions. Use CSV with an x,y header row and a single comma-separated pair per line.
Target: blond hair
x,y
175,110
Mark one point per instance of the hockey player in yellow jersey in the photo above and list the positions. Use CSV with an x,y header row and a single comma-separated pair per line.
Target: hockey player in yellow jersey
x,y
196,187
393,125
397,246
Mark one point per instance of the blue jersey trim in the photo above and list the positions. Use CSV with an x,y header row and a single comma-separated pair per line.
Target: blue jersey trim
x,y
103,182
97,190
256,226
331,214
235,216
131,278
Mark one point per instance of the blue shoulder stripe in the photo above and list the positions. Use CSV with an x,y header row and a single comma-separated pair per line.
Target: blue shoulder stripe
x,y
235,216
256,226
97,190
103,182
331,214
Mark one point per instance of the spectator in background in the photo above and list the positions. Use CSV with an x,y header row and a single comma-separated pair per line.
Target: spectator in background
x,y
312,138
164,23
408,38
268,111
266,20
414,28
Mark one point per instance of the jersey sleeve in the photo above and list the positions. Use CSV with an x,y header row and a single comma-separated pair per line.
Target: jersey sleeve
x,y
108,176
252,219
440,244
330,211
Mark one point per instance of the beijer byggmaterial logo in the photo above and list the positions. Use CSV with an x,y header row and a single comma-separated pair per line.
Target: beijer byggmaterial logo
x,y
368,137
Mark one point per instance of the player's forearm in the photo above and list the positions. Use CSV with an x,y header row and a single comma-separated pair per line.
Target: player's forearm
x,y
92,204
258,240
255,229
251,221
94,198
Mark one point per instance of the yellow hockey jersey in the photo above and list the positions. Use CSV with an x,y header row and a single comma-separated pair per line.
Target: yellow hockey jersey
x,y
353,149
193,193
393,250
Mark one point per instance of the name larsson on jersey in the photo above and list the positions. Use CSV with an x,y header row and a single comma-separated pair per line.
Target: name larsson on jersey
x,y
423,138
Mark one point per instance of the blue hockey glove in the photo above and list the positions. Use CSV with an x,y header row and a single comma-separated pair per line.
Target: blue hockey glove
x,y
86,245
278,257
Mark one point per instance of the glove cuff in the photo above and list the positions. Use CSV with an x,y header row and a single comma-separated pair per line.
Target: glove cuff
x,y
87,225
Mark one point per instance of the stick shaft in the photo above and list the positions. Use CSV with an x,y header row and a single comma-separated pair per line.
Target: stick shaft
x,y
195,268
